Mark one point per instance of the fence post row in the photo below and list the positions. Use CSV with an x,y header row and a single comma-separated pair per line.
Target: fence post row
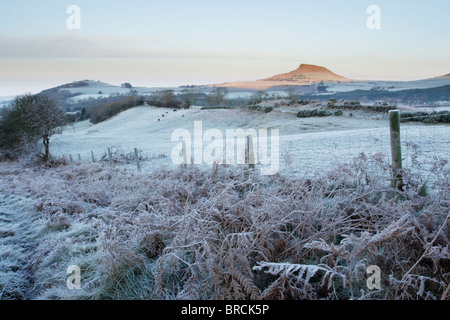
x,y
396,150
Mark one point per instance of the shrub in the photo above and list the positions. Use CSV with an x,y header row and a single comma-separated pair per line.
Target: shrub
x,y
425,117
355,105
313,113
126,85
303,102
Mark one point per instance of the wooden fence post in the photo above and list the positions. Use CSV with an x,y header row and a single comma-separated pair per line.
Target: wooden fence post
x,y
396,150
109,156
92,155
137,159
250,152
79,157
184,153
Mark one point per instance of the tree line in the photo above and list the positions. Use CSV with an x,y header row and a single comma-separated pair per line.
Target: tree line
x,y
161,99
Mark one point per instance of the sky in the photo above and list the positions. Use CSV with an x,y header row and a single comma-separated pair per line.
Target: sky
x,y
173,42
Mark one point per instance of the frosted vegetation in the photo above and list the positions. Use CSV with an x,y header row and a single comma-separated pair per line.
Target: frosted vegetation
x,y
227,232
223,232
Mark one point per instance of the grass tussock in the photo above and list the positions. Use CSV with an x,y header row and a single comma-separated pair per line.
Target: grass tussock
x,y
191,233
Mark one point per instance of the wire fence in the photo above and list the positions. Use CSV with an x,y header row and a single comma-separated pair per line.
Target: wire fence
x,y
300,154
325,151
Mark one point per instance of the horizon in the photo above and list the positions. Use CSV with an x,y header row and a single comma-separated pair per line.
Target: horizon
x,y
172,43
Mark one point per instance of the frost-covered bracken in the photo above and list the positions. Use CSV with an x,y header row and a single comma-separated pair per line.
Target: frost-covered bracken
x,y
217,233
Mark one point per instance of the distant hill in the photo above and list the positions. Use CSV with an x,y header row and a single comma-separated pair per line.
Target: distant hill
x,y
308,79
308,73
78,94
447,76
305,74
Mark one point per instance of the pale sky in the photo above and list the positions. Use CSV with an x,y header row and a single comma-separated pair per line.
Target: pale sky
x,y
171,43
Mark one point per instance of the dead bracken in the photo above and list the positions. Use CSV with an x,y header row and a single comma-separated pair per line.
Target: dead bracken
x,y
192,233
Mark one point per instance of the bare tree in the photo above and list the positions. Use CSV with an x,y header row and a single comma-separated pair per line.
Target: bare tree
x,y
189,97
30,119
258,97
168,95
217,96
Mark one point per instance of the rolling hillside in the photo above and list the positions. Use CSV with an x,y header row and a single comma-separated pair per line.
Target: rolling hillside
x,y
309,143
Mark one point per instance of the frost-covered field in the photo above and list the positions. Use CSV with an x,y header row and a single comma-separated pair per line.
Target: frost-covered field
x,y
386,85
192,233
305,144
224,232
